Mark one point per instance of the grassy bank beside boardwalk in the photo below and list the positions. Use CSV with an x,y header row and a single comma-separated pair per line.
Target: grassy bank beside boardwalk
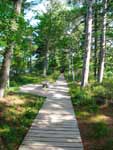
x,y
93,107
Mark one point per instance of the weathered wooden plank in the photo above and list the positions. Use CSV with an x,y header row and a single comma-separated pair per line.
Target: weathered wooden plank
x,y
58,119
26,147
56,115
50,139
46,144
62,113
55,122
59,125
53,135
53,132
54,129
41,125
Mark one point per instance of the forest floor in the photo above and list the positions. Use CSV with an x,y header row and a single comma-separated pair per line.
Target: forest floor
x,y
95,118
96,129
17,112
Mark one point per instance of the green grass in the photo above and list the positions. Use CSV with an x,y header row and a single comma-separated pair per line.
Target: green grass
x,y
17,112
32,79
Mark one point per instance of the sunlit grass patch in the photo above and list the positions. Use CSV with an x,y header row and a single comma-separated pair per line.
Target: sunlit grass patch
x,y
82,114
99,118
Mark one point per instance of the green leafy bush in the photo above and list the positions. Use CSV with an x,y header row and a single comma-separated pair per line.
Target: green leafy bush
x,y
99,90
80,96
99,130
93,108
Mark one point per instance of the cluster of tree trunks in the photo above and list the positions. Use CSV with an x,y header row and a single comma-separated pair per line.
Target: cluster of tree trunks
x,y
88,43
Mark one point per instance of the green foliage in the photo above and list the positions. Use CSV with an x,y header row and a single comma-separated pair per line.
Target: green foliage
x,y
26,79
99,90
32,79
91,94
80,96
109,144
99,130
94,124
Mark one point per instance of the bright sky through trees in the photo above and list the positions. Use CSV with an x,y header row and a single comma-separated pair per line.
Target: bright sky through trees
x,y
40,7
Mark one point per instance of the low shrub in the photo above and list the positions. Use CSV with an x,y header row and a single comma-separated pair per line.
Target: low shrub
x,y
99,130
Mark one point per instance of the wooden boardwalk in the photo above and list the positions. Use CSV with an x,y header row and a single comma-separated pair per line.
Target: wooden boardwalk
x,y
55,127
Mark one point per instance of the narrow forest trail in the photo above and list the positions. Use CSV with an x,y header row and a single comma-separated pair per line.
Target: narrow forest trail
x,y
55,127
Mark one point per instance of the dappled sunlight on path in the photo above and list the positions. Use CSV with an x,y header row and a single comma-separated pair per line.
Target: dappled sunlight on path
x,y
55,127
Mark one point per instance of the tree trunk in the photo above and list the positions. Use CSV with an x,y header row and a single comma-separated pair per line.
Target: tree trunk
x,y
85,72
69,63
103,43
18,6
96,43
5,69
73,71
46,60
46,64
30,64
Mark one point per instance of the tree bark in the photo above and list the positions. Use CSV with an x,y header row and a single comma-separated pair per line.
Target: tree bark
x,y
73,71
103,43
96,43
18,6
46,60
46,64
69,63
30,64
85,72
5,68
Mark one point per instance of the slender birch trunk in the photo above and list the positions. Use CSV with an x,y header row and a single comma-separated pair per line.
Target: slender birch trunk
x,y
103,43
46,64
46,61
69,63
85,72
73,71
